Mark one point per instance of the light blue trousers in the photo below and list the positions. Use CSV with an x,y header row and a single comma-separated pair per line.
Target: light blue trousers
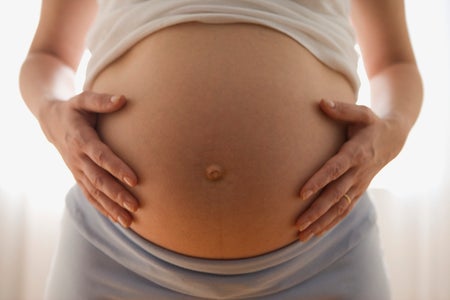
x,y
97,259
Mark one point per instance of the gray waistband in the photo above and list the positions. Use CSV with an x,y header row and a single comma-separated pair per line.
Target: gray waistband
x,y
263,274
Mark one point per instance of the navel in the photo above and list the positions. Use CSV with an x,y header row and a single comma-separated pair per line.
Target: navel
x,y
214,172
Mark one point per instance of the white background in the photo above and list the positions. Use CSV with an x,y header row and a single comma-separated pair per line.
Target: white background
x,y
34,180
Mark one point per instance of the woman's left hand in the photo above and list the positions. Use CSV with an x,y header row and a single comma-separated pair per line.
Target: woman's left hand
x,y
371,143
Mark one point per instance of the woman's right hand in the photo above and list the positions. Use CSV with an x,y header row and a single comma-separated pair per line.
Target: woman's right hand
x,y
101,174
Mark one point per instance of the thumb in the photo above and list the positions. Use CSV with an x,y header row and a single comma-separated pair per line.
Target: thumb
x,y
347,112
98,103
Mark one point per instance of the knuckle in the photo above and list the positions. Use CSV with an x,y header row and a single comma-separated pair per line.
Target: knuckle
x,y
336,194
335,169
341,207
120,196
363,154
358,155
115,211
75,140
97,193
366,113
98,182
99,155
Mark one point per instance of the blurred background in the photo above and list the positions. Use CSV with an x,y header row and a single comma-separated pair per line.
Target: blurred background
x,y
412,194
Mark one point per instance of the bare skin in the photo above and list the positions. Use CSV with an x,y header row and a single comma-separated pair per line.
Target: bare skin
x,y
374,135
238,104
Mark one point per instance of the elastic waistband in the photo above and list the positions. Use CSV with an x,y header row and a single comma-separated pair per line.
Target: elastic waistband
x,y
265,273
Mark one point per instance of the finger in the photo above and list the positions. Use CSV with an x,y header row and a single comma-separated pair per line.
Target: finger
x,y
343,215
333,215
104,157
327,199
104,204
104,182
334,168
337,219
347,112
92,200
98,103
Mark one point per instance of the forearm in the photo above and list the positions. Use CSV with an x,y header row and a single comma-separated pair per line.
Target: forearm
x,y
43,79
397,93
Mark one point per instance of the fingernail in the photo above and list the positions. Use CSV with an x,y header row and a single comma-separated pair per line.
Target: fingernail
x,y
306,195
305,238
128,181
329,103
304,226
114,98
122,221
130,206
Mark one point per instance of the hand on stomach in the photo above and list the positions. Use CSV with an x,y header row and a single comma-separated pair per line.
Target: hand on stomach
x,y
222,128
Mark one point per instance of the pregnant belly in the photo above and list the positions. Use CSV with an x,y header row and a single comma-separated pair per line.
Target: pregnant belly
x,y
222,127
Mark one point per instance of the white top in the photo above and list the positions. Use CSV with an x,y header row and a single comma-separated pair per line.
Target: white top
x,y
321,26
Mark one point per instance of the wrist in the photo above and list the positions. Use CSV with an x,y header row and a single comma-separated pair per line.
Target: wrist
x,y
396,95
398,122
397,130
44,116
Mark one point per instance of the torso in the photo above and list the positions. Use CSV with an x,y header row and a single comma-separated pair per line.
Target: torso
x,y
222,127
